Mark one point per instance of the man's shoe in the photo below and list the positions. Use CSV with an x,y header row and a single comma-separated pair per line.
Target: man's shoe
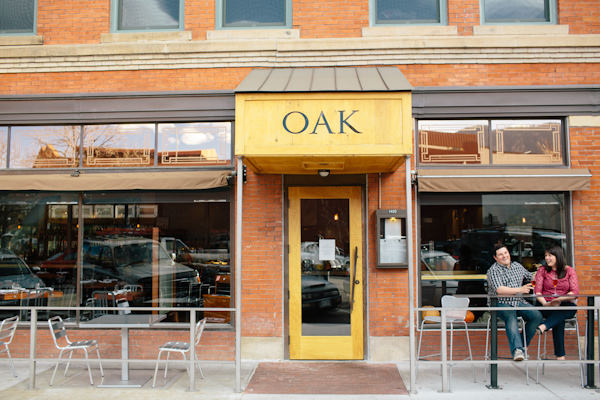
x,y
519,355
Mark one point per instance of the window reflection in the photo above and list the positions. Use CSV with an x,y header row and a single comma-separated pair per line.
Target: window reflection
x,y
124,145
255,13
516,10
44,147
38,245
148,14
3,145
194,144
458,233
453,142
527,142
408,12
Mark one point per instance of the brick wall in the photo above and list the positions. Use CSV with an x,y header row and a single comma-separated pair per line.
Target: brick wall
x,y
83,21
262,271
143,343
586,207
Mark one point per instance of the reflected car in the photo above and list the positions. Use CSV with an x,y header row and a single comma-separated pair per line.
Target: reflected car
x,y
434,261
319,294
14,272
130,261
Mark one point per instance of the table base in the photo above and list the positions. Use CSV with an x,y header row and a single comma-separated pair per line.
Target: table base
x,y
113,380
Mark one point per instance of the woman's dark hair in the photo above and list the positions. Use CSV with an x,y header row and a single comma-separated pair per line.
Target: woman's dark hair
x,y
557,252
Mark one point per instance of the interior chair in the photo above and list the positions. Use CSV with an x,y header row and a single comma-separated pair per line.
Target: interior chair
x,y
521,325
7,332
570,325
456,316
62,343
180,347
102,298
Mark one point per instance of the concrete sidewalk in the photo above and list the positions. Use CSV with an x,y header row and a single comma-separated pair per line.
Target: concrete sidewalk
x,y
558,382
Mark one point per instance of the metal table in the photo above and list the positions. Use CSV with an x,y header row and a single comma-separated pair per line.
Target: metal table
x,y
124,321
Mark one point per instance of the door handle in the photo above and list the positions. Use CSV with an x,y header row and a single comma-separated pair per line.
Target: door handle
x,y
354,281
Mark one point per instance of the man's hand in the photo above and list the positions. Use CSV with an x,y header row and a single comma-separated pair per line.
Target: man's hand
x,y
526,288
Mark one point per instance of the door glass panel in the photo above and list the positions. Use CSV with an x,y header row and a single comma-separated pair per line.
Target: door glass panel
x,y
325,255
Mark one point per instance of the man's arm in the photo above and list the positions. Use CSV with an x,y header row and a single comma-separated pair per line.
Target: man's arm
x,y
507,291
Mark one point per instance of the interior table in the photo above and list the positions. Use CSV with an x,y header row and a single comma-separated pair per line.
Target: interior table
x,y
124,322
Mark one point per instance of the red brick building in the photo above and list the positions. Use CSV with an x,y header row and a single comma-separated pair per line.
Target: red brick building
x,y
507,93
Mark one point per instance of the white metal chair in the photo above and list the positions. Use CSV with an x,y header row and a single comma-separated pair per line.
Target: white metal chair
x,y
180,347
62,343
570,325
457,316
8,328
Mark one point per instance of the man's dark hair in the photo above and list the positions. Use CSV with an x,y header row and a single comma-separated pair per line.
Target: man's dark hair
x,y
497,247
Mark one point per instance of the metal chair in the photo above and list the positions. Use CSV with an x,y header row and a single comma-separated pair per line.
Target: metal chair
x,y
8,328
180,347
102,298
62,343
570,325
457,316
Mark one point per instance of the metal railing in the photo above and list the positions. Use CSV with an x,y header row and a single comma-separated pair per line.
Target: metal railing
x,y
190,363
589,360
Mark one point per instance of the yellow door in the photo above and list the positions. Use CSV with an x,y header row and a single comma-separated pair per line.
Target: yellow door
x,y
325,273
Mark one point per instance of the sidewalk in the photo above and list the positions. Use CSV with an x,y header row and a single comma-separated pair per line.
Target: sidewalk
x,y
559,382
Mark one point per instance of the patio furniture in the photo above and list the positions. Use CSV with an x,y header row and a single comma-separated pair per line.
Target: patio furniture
x,y
455,316
180,347
62,343
7,332
571,324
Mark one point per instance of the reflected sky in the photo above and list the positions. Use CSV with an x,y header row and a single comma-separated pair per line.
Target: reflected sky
x,y
196,136
252,13
145,14
407,11
31,145
3,145
516,10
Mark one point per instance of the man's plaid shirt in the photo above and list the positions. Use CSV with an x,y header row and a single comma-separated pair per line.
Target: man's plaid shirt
x,y
512,277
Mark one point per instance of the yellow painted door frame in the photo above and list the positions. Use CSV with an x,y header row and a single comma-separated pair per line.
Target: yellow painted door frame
x,y
326,347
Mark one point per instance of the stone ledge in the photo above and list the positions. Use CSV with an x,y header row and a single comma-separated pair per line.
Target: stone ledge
x,y
252,34
421,30
521,30
125,37
584,121
18,40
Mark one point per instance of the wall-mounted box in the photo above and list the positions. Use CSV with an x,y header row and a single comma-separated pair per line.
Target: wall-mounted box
x,y
392,246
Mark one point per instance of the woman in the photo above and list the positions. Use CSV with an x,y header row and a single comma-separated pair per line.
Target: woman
x,y
555,285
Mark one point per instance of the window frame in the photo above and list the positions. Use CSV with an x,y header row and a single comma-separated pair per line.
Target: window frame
x,y
442,4
552,11
220,13
114,20
34,27
563,142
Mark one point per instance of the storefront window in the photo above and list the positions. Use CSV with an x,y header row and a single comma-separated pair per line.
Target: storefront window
x,y
149,249
44,146
194,144
38,251
124,145
459,231
514,142
156,250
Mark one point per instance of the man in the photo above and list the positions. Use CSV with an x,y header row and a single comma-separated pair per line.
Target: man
x,y
505,278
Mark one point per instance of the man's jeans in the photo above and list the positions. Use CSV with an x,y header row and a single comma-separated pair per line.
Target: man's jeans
x,y
532,318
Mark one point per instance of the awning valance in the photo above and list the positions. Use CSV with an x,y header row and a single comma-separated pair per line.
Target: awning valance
x,y
503,180
167,180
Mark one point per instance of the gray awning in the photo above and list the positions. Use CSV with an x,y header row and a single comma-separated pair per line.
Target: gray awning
x,y
332,79
167,180
503,180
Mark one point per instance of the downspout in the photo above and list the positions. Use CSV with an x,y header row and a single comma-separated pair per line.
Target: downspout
x,y
411,277
238,275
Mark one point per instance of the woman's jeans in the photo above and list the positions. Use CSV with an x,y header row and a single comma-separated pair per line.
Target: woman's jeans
x,y
532,318
555,320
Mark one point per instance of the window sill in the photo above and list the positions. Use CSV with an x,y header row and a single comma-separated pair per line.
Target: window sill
x,y
412,30
521,29
17,40
251,34
173,36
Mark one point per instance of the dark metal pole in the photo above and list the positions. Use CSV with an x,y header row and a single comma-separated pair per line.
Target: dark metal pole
x,y
590,344
494,345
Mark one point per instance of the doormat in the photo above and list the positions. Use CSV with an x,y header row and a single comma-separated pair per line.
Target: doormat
x,y
326,378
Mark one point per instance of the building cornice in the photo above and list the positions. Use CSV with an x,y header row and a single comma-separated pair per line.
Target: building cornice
x,y
486,49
